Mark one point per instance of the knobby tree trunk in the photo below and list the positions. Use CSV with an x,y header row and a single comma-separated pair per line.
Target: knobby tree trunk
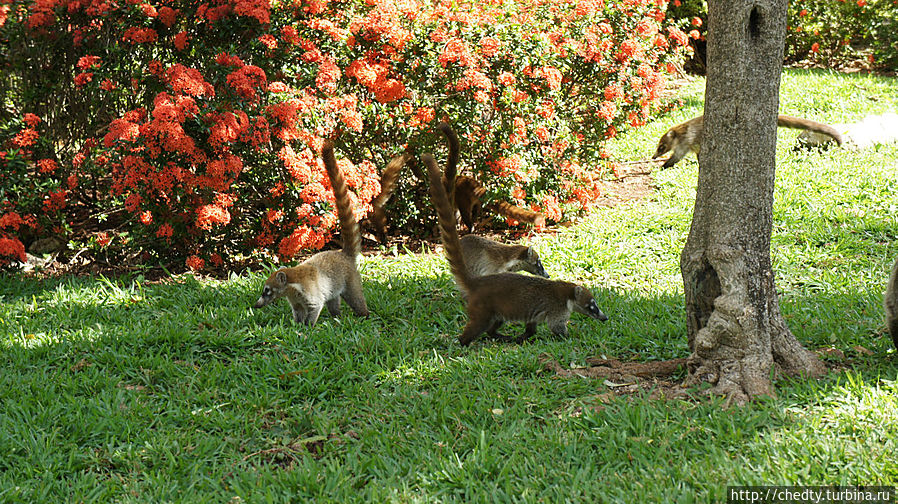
x,y
736,332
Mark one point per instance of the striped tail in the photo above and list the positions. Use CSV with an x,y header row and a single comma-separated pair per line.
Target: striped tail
x,y
446,217
349,228
451,161
807,124
507,209
388,180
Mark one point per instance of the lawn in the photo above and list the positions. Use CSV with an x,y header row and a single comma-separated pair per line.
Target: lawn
x,y
127,390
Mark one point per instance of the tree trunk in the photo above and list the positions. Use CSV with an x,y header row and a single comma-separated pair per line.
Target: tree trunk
x,y
736,332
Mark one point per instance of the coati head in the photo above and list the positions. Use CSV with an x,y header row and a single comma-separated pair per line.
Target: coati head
x,y
665,144
275,287
293,282
584,303
529,261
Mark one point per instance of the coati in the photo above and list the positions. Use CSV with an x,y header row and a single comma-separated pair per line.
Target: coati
x,y
388,179
891,304
326,276
465,192
487,257
494,299
687,136
482,255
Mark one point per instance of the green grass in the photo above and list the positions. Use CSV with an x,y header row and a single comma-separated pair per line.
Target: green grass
x,y
130,391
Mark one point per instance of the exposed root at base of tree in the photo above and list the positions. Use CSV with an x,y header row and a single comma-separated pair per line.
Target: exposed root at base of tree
x,y
627,377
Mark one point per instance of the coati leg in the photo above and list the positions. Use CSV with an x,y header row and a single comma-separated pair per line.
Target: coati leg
x,y
333,307
559,327
299,313
478,323
467,216
355,297
314,312
493,331
529,330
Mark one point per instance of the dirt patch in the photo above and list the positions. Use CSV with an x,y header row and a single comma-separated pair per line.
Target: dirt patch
x,y
633,181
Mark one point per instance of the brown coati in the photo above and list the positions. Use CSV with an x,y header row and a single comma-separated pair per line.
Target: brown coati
x,y
465,192
687,136
891,304
388,179
322,279
487,257
494,299
482,255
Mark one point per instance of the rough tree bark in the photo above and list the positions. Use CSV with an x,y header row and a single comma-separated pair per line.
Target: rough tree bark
x,y
736,332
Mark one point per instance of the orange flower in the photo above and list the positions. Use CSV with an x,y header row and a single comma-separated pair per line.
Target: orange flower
x,y
165,231
180,40
31,119
211,215
86,62
244,81
25,138
47,166
489,46
268,41
12,247
83,78
11,220
195,263
103,238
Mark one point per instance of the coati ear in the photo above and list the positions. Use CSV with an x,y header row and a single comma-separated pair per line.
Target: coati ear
x,y
281,278
531,254
578,292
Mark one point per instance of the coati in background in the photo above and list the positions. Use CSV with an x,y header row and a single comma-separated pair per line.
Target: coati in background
x,y
326,276
891,304
687,136
495,299
465,192
388,179
487,257
482,255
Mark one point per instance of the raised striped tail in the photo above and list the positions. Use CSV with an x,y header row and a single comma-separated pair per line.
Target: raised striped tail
x,y
388,180
517,213
451,161
508,210
807,124
446,217
349,228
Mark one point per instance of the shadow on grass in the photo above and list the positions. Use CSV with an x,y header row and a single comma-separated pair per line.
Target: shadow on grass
x,y
391,398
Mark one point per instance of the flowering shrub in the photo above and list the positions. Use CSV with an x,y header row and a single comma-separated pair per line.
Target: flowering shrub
x,y
828,32
32,190
190,132
839,31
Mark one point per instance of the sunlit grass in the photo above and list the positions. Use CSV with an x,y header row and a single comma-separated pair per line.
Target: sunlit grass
x,y
131,391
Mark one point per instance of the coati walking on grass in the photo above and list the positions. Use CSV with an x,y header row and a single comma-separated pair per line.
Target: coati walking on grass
x,y
494,299
891,304
465,192
482,255
687,136
322,279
